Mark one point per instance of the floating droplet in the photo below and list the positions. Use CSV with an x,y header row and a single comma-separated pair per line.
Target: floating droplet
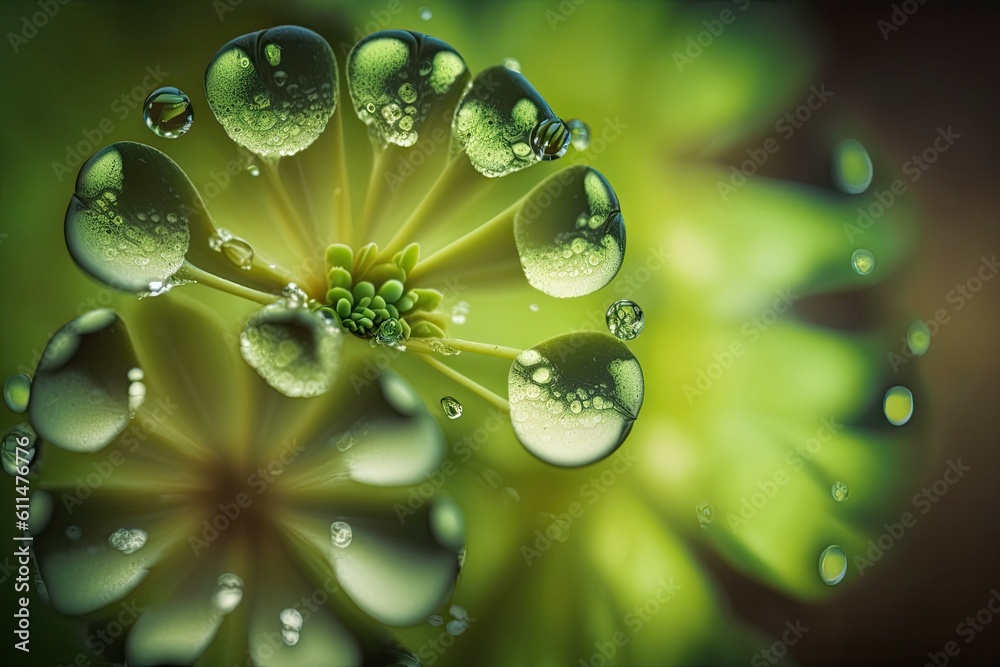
x,y
390,333
17,392
570,234
229,594
253,102
435,620
586,408
452,408
425,14
918,338
290,619
625,319
832,565
839,491
128,540
512,64
863,261
579,134
898,405
341,534
706,514
168,112
550,139
852,167
395,70
456,627
496,120
18,448
73,532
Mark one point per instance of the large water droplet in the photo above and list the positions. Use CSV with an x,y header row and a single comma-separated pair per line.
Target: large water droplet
x,y
392,71
128,540
585,408
570,234
340,534
269,111
80,394
863,261
495,120
127,222
832,565
625,319
852,167
839,491
295,350
452,408
17,392
898,405
168,112
918,338
18,448
229,594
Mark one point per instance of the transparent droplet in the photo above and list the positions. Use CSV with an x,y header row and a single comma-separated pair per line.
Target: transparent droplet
x,y
392,70
496,113
832,565
512,64
229,593
918,338
290,619
447,523
456,627
459,312
168,112
73,532
550,139
706,514
80,394
140,233
290,637
18,448
340,534
435,620
625,319
444,349
863,261
579,134
128,540
253,102
425,14
239,252
390,333
17,392
839,491
586,408
295,350
898,405
452,408
852,167
570,233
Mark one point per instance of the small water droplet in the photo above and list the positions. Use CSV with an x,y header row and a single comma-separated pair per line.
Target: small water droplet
x,y
579,134
706,514
625,319
832,565
136,374
550,139
341,534
73,532
512,64
852,167
456,627
444,349
458,612
168,112
435,620
17,392
839,491
425,14
863,261
290,637
239,252
290,619
229,594
253,170
452,408
898,405
128,540
460,312
533,308
18,448
918,338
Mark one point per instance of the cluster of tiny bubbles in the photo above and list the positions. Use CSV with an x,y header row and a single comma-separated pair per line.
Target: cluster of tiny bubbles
x,y
17,392
459,620
18,448
459,312
918,338
425,14
832,565
512,64
73,533
168,112
579,133
863,261
570,234
341,534
852,167
128,540
550,139
291,626
229,593
236,250
839,491
136,389
435,620
898,405
706,514
452,408
625,319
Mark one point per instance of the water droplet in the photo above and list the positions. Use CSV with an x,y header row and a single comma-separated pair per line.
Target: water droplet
x,y
571,243
452,408
832,565
435,620
497,112
852,167
290,637
239,252
17,392
229,593
863,261
456,627
425,14
706,514
392,69
918,338
290,619
390,333
512,64
73,532
256,107
839,491
579,134
253,170
550,139
447,523
898,405
128,540
340,534
459,312
458,612
18,448
561,421
625,319
444,349
136,374
80,394
533,308
168,112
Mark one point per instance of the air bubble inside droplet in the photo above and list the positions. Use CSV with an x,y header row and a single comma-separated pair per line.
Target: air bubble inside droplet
x,y
832,565
625,319
452,408
898,405
17,392
168,112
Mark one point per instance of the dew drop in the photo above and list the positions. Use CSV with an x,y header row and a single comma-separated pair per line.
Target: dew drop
x,y
289,637
832,565
459,312
290,619
435,620
863,261
17,392
852,167
18,448
128,540
444,349
136,374
512,64
918,338
533,307
452,408
550,139
458,612
898,405
456,627
229,593
706,514
425,14
253,170
239,252
341,534
168,112
839,491
625,319
579,134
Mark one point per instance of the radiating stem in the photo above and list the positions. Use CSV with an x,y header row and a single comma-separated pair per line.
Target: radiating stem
x,y
192,272
285,206
342,193
471,385
475,245
487,349
374,192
